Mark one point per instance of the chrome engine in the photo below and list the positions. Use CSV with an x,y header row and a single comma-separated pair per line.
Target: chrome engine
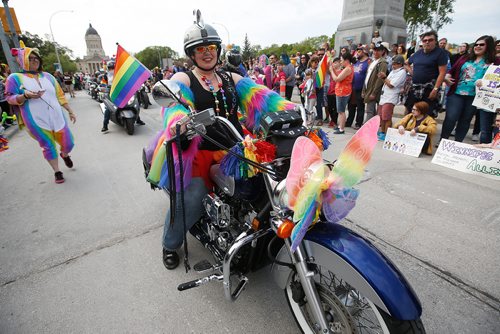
x,y
226,222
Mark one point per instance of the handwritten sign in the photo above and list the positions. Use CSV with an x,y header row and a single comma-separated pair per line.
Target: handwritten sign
x,y
404,144
468,159
488,95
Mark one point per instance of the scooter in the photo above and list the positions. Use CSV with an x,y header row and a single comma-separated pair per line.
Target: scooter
x,y
126,116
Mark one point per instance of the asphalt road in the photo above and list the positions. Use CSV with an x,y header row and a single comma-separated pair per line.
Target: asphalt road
x,y
85,256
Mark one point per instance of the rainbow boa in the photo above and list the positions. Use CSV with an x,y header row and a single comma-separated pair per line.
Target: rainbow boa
x,y
256,100
155,152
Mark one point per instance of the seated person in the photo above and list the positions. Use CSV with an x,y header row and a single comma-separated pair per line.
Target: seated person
x,y
419,122
495,144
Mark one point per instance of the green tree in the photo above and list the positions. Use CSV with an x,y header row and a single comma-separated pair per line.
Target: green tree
x,y
420,15
48,52
151,55
247,49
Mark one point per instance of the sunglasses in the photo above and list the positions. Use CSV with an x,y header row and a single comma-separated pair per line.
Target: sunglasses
x,y
203,49
479,44
33,58
428,40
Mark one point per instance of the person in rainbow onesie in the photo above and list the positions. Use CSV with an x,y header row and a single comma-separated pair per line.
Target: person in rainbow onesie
x,y
41,100
203,87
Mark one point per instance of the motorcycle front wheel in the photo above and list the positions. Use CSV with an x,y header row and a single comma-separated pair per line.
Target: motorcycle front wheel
x,y
129,125
346,310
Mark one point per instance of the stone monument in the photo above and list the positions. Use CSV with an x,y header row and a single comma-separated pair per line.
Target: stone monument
x,y
360,18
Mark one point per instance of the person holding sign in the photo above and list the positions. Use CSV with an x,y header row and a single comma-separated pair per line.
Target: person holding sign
x,y
463,78
419,121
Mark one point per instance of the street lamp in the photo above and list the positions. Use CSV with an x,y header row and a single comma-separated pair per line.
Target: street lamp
x,y
223,26
52,34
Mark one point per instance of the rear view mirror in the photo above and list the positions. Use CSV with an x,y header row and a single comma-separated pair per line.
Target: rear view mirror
x,y
166,92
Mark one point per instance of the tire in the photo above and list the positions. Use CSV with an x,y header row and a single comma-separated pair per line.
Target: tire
x,y
129,125
347,311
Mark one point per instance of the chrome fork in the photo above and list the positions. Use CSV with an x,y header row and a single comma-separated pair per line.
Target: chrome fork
x,y
307,281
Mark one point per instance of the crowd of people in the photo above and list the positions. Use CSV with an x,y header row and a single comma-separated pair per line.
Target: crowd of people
x,y
368,80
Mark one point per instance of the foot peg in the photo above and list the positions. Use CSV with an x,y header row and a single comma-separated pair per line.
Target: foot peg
x,y
198,282
203,266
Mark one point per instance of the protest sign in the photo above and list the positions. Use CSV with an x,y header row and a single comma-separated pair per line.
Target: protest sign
x,y
404,143
488,95
468,159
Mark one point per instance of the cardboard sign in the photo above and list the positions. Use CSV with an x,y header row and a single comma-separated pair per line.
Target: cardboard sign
x,y
468,159
488,95
404,144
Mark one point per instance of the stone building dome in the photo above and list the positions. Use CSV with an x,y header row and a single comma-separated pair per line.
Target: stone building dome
x,y
91,31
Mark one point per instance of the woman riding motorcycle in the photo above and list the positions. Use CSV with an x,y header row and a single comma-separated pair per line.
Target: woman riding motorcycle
x,y
209,88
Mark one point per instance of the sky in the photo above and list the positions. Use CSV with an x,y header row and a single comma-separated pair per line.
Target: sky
x,y
139,24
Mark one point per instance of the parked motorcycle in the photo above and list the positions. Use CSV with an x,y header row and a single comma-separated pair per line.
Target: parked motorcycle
x,y
335,280
126,116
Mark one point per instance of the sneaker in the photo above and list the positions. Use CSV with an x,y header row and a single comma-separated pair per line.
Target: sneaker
x,y
104,129
338,132
140,122
475,137
319,123
67,161
356,127
332,125
170,259
381,137
59,177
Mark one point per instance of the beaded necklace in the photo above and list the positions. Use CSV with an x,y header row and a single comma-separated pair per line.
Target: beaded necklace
x,y
214,93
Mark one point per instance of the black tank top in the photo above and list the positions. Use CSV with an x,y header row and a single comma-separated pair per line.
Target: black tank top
x,y
204,99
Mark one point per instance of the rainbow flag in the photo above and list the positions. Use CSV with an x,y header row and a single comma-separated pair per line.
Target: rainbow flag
x,y
321,71
129,75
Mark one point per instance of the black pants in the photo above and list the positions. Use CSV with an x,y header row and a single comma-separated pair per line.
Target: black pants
x,y
412,99
302,99
356,110
332,108
288,93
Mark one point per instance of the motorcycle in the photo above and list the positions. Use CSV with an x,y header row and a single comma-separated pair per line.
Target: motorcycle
x,y
126,116
143,97
334,280
93,90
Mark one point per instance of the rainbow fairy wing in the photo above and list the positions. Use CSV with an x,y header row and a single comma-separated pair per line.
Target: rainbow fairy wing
x,y
350,166
340,198
304,154
337,203
306,209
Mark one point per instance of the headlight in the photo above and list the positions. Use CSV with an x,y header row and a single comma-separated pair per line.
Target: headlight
x,y
132,99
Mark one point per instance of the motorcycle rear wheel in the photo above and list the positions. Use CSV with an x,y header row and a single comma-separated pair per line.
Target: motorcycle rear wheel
x,y
347,311
129,125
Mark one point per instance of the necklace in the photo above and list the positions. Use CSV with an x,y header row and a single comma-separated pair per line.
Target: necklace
x,y
208,82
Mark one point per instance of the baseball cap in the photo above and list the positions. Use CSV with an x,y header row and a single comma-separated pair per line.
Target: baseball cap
x,y
381,46
398,59
363,48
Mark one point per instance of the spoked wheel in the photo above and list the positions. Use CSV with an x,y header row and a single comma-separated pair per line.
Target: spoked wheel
x,y
346,310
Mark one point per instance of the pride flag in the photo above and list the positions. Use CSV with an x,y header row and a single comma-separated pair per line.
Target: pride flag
x,y
129,75
321,71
